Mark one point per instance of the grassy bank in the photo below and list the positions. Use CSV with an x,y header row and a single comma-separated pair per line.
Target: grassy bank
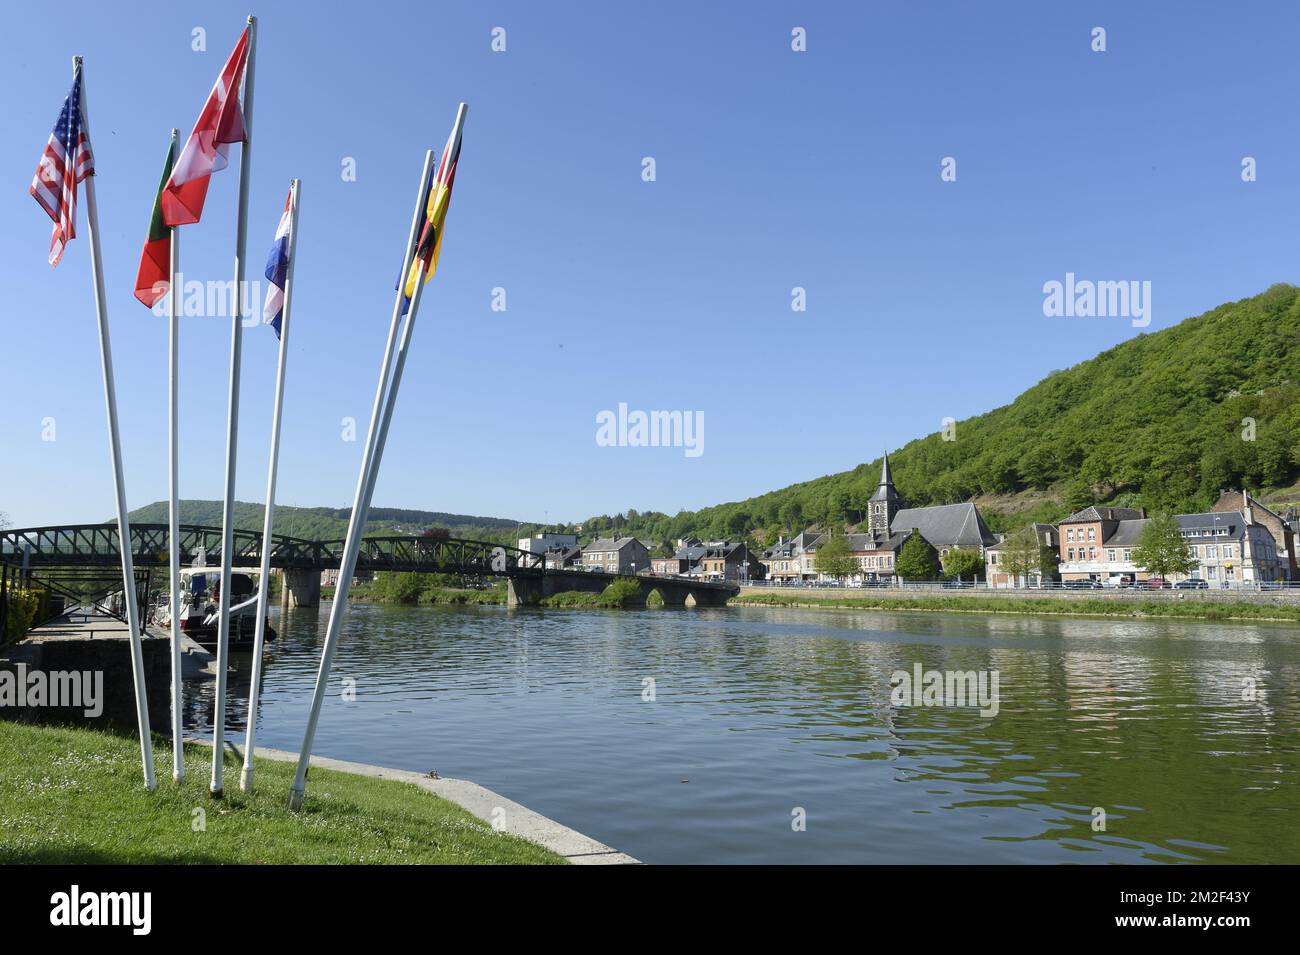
x,y
76,795
1091,607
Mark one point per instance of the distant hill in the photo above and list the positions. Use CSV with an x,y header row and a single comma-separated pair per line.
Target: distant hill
x,y
327,523
1157,421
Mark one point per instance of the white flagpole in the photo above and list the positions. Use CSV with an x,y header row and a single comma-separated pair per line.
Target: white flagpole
x,y
173,485
246,777
115,452
215,788
356,527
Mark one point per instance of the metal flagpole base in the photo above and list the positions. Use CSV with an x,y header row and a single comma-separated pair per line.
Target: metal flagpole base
x,y
246,779
216,794
295,799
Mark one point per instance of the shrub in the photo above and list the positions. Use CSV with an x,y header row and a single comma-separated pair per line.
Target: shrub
x,y
621,593
25,607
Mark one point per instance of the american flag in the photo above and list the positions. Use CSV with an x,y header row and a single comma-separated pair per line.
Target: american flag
x,y
67,160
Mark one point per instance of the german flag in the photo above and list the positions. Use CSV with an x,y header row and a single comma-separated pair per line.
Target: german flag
x,y
430,244
154,277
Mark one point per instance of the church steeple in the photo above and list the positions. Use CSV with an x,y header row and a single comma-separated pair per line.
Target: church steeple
x,y
884,504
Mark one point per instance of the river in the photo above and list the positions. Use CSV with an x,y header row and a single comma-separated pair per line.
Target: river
x,y
768,735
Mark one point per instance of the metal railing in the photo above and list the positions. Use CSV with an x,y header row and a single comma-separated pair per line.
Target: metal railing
x,y
1070,586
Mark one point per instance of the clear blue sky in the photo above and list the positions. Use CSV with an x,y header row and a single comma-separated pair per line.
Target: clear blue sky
x,y
775,169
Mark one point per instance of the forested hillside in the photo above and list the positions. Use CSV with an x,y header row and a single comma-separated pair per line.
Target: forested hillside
x,y
1163,420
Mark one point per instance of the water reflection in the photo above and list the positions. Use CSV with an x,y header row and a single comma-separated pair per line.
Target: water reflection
x,y
760,711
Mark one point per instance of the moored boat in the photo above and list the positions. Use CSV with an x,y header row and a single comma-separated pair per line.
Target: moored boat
x,y
200,603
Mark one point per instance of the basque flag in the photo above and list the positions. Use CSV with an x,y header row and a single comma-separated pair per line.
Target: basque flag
x,y
277,267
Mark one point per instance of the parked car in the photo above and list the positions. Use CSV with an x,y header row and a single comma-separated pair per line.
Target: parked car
x,y
1192,583
1157,583
1081,584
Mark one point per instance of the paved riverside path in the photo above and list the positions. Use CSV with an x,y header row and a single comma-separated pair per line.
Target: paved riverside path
x,y
80,624
480,802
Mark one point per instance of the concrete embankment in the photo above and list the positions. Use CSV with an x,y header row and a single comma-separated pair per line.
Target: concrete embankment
x,y
88,641
501,813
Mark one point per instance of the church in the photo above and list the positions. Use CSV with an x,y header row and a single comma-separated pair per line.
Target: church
x,y
890,522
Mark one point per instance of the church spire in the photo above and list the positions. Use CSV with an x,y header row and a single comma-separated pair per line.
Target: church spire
x,y
884,503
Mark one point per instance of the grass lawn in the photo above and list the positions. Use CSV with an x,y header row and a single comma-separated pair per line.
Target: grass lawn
x,y
1088,607
77,795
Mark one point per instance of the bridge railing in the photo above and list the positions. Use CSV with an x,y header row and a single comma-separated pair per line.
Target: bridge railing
x,y
150,544
98,544
433,554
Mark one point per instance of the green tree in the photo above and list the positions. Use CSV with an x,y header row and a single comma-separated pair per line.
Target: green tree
x,y
792,515
737,523
916,560
1078,495
1161,549
837,507
966,564
834,558
1049,559
1020,554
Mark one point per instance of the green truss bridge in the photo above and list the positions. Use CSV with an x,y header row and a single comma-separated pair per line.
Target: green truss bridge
x,y
90,553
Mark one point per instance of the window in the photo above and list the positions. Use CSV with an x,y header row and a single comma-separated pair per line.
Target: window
x,y
1211,551
1128,554
1110,554
1069,534
1227,550
1092,553
1070,552
1092,533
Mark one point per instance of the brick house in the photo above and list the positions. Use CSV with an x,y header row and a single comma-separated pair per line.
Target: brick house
x,y
1097,543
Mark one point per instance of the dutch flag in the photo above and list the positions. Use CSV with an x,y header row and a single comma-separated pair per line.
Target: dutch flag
x,y
277,266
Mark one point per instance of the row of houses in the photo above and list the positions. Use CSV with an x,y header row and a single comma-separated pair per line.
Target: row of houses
x,y
1238,540
709,560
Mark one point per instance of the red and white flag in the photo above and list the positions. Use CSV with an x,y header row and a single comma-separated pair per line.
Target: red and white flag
x,y
220,124
66,161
